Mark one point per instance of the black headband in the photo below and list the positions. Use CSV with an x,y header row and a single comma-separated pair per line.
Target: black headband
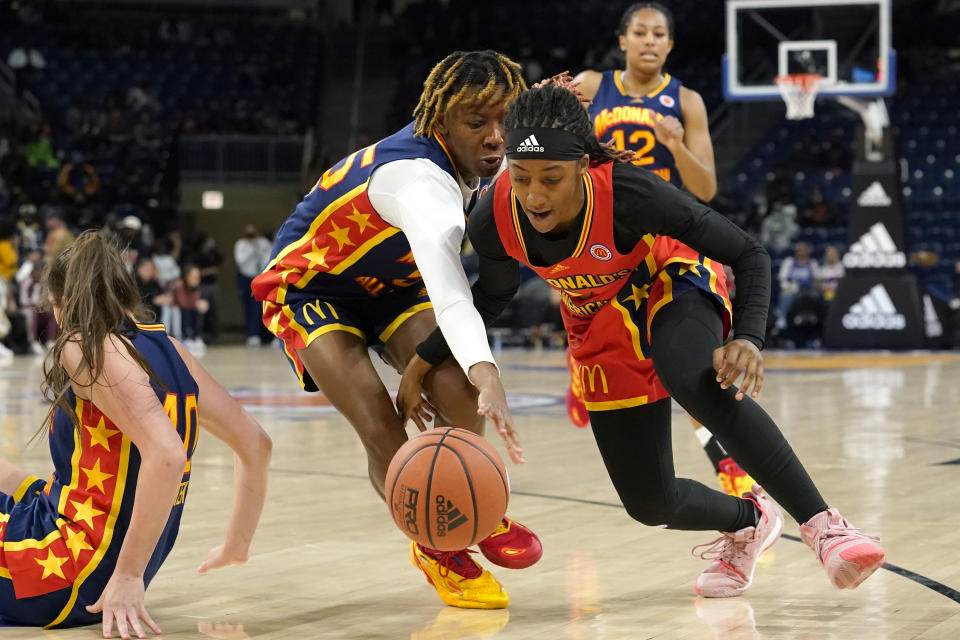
x,y
544,143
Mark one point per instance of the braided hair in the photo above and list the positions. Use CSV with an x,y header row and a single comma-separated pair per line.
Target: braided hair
x,y
556,103
455,77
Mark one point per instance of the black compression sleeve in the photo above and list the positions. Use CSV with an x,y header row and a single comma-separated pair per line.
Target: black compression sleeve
x,y
496,285
644,203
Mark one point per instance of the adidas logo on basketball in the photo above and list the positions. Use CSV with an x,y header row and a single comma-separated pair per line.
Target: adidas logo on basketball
x,y
875,310
448,516
875,249
530,144
874,196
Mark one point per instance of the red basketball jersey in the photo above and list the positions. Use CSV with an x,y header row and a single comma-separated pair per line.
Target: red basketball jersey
x,y
610,298
595,271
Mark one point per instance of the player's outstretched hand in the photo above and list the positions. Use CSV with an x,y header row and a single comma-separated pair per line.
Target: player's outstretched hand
x,y
220,557
736,357
412,404
492,403
122,602
496,410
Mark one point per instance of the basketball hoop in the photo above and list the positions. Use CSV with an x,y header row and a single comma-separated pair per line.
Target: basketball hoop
x,y
799,91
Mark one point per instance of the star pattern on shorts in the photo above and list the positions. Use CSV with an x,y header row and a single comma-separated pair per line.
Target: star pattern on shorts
x,y
51,565
77,542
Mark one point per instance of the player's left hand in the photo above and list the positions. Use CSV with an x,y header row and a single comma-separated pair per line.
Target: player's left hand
x,y
412,404
219,557
122,602
736,357
669,132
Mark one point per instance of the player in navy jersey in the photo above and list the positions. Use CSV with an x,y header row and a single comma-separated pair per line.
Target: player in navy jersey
x,y
371,258
83,545
648,111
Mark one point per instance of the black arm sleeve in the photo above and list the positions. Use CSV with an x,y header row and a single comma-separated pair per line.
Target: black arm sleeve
x,y
644,203
496,285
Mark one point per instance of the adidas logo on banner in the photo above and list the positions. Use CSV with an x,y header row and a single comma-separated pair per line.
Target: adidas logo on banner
x,y
875,310
448,516
930,318
530,144
875,249
874,196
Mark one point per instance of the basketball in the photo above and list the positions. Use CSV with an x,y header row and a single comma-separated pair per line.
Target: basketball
x,y
447,488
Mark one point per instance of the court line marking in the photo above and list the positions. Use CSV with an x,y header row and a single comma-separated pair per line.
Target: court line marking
x,y
931,441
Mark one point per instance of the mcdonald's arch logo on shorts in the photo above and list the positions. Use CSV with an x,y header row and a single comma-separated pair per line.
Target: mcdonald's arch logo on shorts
x,y
589,374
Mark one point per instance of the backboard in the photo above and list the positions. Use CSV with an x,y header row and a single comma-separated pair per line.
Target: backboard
x,y
847,42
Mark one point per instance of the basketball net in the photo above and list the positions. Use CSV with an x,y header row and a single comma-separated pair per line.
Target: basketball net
x,y
799,91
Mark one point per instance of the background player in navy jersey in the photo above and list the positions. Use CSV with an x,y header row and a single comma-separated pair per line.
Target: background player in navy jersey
x,y
371,258
639,265
646,110
122,430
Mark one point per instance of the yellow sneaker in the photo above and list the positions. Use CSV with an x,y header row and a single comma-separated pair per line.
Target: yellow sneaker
x,y
733,479
458,579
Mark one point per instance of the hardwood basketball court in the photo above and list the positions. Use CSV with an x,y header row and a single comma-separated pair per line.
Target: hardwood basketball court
x,y
876,431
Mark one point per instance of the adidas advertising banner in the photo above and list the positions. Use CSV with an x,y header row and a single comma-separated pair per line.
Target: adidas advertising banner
x,y
876,220
938,321
875,313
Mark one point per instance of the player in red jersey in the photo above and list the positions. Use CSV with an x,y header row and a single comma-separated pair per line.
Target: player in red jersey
x,y
646,110
638,264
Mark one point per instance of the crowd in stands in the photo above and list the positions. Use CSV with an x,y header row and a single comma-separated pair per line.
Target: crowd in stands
x,y
178,280
552,37
89,138
101,147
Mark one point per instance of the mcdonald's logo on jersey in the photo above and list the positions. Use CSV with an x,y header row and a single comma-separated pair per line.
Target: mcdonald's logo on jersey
x,y
600,252
624,115
589,374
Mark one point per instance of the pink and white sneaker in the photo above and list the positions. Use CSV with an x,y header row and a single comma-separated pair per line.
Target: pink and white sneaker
x,y
734,555
848,556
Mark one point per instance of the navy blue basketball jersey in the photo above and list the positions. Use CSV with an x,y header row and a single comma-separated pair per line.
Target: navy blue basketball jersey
x,y
60,546
336,242
628,121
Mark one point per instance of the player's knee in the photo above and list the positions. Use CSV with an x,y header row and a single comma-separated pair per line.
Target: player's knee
x,y
657,506
381,444
646,512
691,389
457,400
